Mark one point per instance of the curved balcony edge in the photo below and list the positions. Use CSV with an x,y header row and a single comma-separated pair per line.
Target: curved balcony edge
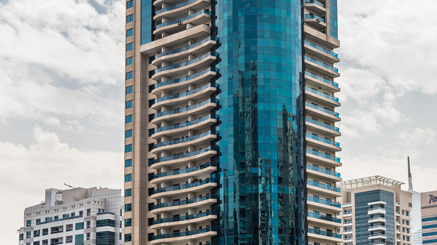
x,y
182,191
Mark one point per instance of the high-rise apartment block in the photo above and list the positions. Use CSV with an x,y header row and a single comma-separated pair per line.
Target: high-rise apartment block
x,y
376,211
428,201
76,216
230,122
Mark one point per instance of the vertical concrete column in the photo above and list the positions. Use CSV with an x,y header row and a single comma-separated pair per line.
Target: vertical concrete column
x,y
191,72
191,57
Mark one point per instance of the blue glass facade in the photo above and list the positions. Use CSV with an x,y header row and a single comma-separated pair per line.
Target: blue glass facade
x,y
261,174
333,19
362,199
146,21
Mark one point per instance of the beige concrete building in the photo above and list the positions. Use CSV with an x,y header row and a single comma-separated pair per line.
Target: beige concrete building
x,y
185,99
428,201
376,211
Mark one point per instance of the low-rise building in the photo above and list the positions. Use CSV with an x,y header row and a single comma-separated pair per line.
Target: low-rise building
x,y
76,216
376,211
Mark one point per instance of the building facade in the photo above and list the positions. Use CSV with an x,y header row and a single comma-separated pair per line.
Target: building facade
x,y
428,202
76,216
230,122
376,211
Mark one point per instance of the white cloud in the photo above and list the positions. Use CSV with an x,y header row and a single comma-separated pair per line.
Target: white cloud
x,y
25,172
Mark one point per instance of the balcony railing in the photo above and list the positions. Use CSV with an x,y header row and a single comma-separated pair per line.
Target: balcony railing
x,y
187,139
324,186
183,218
322,170
186,170
322,109
176,6
321,78
324,217
183,155
322,124
182,79
324,233
323,201
186,124
376,208
171,22
183,202
327,141
184,233
320,48
315,91
347,211
313,16
377,234
183,109
324,155
175,96
186,63
174,51
50,221
316,2
377,217
183,187
376,226
321,63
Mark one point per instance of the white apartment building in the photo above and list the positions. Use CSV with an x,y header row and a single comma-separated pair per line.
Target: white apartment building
x,y
76,216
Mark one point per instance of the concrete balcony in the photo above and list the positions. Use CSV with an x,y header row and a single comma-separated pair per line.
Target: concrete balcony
x,y
322,54
321,67
323,173
377,228
313,79
197,94
200,63
183,112
179,9
183,220
324,235
377,235
184,236
177,39
201,202
316,22
316,36
373,211
322,143
321,97
179,54
184,82
324,158
208,184
179,128
323,189
324,220
322,112
177,25
323,204
202,154
172,145
186,173
377,220
315,6
321,127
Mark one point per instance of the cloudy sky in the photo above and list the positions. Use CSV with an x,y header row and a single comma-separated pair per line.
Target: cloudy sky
x,y
61,95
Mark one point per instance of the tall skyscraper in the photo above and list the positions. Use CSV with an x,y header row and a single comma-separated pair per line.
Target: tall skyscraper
x,y
376,211
230,122
416,214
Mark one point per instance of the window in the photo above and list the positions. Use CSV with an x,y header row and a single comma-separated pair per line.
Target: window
x,y
88,236
80,213
36,233
407,222
127,237
38,221
28,234
56,217
79,239
127,222
129,4
150,220
28,223
21,237
129,104
130,32
403,222
129,18
407,213
36,243
128,178
128,207
129,47
151,131
129,133
88,212
129,75
128,119
128,148
127,192
73,214
65,216
128,163
79,226
88,224
129,61
129,89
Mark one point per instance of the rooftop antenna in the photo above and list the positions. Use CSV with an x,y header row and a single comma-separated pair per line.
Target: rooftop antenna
x,y
410,177
69,185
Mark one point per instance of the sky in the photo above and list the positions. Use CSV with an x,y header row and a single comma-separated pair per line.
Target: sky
x,y
62,95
